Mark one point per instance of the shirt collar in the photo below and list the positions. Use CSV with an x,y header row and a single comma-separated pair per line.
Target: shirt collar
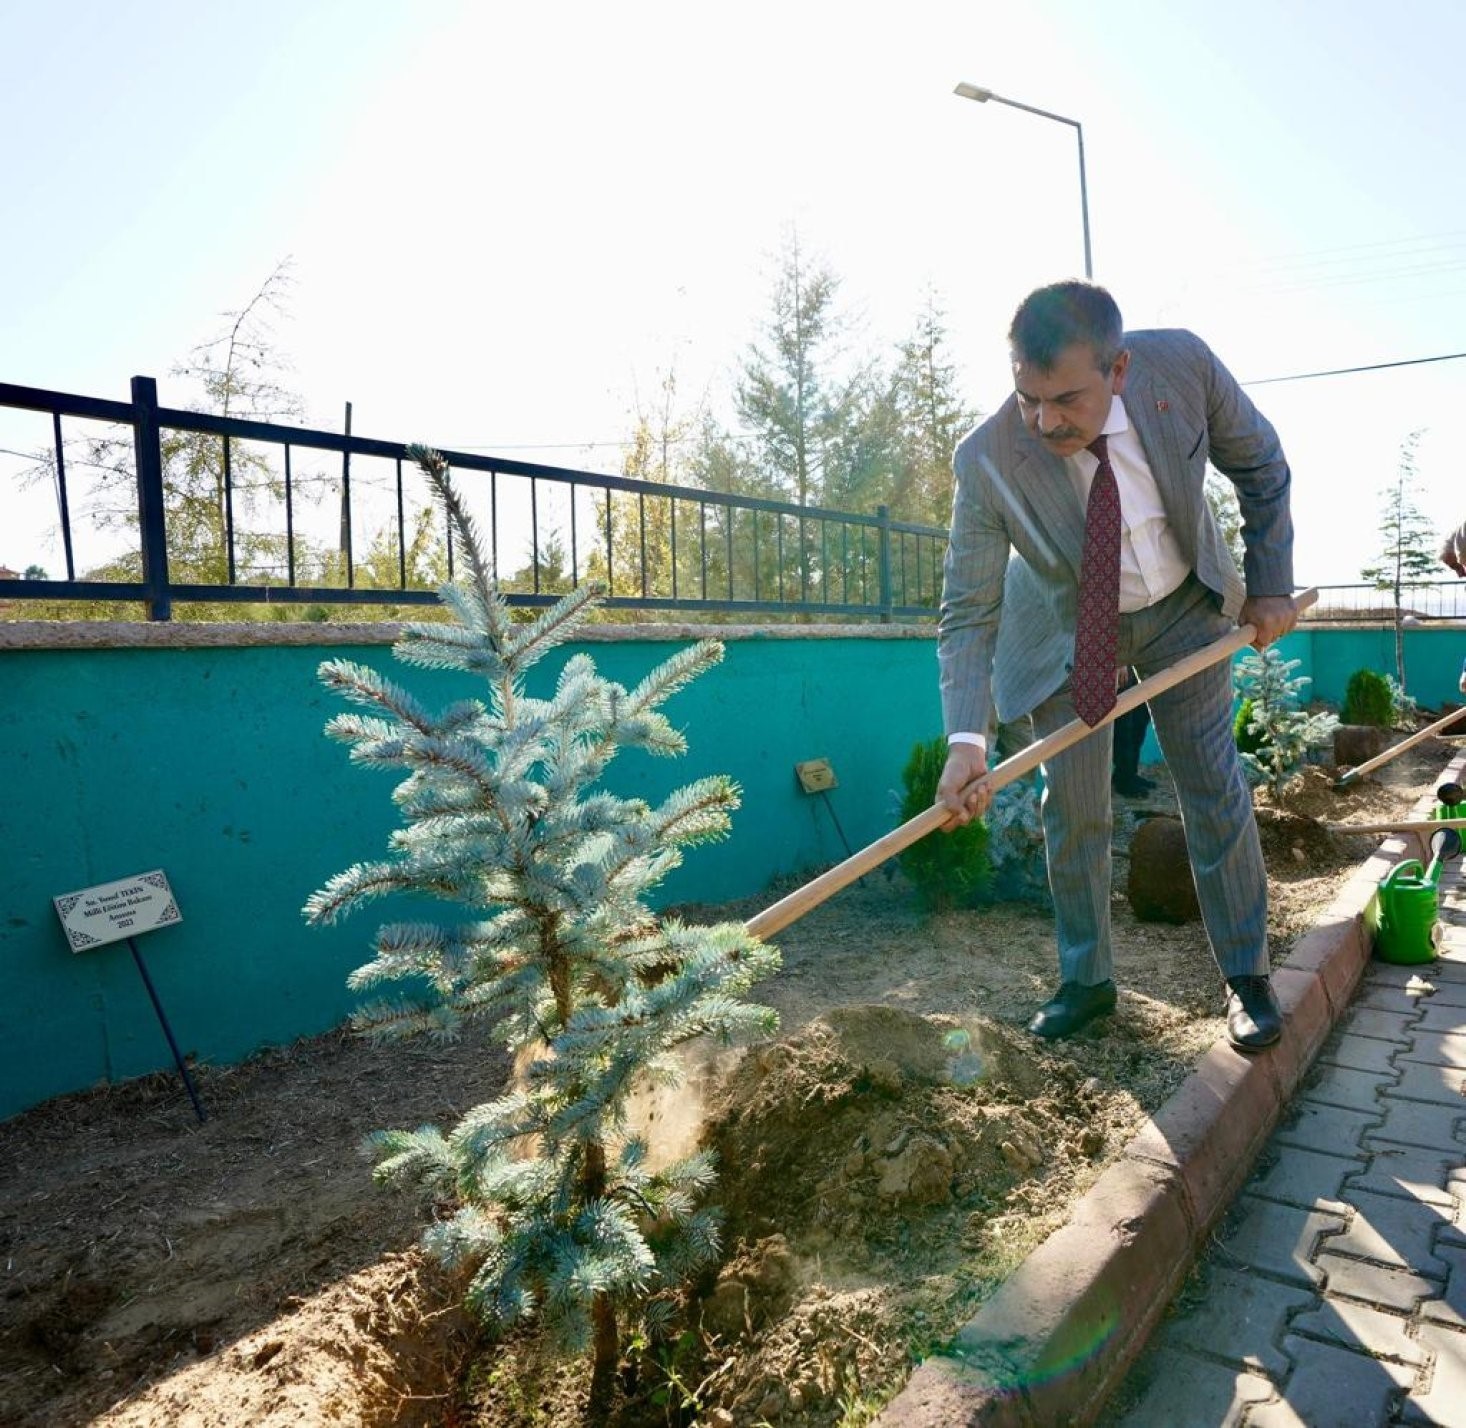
x,y
1118,420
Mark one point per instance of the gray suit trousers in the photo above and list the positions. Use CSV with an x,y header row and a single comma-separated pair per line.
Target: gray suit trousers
x,y
1193,723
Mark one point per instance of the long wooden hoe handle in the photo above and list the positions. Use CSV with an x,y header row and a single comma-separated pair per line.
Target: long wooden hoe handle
x,y
813,893
1349,775
1405,825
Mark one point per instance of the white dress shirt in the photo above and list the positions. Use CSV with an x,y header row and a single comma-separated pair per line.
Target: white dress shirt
x,y
1151,563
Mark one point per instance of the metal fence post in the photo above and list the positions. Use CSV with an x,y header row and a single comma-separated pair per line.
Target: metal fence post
x,y
883,515
151,521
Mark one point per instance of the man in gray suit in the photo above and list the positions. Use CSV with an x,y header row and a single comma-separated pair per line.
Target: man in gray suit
x,y
1165,405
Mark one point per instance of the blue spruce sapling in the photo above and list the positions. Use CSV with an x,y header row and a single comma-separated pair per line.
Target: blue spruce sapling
x,y
557,1212
1284,731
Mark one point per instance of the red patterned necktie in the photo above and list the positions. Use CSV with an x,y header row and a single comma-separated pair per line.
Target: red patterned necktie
x,y
1097,628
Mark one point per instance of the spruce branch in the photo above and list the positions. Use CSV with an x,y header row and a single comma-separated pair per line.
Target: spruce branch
x,y
365,881
466,1238
435,467
366,686
360,728
422,1157
397,1020
674,673
554,626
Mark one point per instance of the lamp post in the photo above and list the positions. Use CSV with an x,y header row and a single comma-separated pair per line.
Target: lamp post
x,y
981,95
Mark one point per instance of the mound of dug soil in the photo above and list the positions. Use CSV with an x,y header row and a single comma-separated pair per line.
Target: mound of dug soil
x,y
872,1148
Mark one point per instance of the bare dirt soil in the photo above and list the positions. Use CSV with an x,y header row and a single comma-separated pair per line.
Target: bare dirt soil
x,y
886,1162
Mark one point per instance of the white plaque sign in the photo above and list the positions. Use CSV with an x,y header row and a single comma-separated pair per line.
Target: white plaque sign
x,y
111,911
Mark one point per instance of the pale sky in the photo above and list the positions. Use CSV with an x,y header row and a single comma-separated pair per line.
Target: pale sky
x,y
504,219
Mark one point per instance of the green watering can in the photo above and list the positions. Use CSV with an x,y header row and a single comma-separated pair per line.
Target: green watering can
x,y
1406,930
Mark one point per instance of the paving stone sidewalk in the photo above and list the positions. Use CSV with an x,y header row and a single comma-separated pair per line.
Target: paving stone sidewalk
x,y
1334,1293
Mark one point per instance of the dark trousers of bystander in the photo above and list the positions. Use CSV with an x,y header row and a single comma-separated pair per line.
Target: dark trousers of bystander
x,y
1129,737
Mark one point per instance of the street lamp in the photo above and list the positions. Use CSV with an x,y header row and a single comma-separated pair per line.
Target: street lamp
x,y
974,91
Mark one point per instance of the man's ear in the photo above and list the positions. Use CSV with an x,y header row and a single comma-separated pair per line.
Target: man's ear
x,y
1117,372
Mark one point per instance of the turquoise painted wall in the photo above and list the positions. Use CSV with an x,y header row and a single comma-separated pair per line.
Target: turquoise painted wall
x,y
1433,656
210,763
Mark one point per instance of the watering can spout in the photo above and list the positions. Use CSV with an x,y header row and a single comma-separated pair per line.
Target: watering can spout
x,y
1444,846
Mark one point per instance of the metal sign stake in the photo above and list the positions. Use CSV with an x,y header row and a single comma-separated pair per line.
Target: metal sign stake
x,y
142,970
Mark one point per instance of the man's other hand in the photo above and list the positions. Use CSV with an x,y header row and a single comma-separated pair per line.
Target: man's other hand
x,y
1271,617
958,789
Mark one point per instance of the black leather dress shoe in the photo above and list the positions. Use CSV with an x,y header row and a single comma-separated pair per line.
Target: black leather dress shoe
x,y
1073,1007
1131,785
1253,1017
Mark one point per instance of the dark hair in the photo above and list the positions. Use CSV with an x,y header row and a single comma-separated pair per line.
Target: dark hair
x,y
1050,319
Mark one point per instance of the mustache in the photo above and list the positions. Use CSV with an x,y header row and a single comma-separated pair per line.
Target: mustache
x,y
1063,433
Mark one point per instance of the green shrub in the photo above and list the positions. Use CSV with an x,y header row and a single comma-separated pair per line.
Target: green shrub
x,y
1248,733
1368,700
947,869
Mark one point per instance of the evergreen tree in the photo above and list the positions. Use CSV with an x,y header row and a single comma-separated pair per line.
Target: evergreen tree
x,y
239,373
638,527
931,417
785,393
953,870
1408,556
564,958
803,414
732,553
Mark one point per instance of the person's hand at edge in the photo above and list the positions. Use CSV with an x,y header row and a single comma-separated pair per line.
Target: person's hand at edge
x,y
958,788
1271,617
1453,551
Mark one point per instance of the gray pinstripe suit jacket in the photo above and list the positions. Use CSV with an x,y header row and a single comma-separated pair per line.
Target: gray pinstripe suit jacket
x,y
1006,634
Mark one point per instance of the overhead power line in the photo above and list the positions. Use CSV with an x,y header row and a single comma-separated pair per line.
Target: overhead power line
x,y
1348,371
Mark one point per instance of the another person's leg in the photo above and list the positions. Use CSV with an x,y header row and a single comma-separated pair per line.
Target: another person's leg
x,y
1129,739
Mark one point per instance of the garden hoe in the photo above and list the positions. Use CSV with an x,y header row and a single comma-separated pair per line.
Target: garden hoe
x,y
805,899
1349,775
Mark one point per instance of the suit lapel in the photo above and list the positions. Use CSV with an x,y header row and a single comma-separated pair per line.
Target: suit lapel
x,y
1046,500
1150,410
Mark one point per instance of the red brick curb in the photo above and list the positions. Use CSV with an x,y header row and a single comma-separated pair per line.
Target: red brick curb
x,y
1061,1331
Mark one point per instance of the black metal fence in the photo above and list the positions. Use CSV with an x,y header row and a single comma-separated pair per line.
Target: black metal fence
x,y
236,533
213,509
1369,605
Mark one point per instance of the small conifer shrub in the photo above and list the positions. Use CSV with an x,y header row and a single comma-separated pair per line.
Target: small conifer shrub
x,y
947,869
554,1208
1368,699
1249,736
